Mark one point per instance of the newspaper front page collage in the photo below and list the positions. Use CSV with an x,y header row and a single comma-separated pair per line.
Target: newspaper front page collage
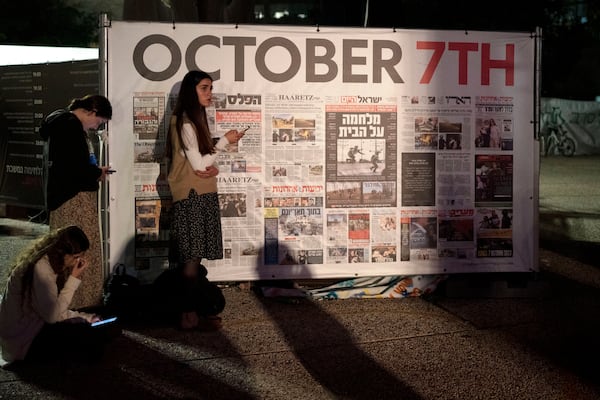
x,y
341,179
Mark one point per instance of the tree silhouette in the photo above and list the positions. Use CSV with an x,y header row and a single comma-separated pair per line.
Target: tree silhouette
x,y
570,28
47,22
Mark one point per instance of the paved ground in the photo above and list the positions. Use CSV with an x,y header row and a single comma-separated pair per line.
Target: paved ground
x,y
490,336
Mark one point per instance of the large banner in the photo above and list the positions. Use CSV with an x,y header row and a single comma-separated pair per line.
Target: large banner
x,y
370,152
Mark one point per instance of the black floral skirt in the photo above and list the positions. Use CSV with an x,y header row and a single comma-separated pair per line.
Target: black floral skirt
x,y
196,228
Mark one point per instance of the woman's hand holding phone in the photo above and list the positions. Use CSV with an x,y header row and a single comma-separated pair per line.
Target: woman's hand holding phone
x,y
234,136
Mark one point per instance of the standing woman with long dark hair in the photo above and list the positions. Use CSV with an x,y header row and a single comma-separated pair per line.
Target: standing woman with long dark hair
x,y
72,183
196,223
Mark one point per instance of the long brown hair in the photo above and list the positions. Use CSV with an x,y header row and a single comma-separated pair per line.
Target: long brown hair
x,y
188,108
55,244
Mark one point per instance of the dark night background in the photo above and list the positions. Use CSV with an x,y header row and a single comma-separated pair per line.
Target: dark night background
x,y
570,28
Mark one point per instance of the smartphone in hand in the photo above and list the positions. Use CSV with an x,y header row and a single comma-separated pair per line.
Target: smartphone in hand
x,y
104,321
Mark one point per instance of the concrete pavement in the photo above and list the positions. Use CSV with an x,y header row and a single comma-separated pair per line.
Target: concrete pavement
x,y
489,336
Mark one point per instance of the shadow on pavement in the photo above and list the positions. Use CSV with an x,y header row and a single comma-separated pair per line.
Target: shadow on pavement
x,y
132,370
327,350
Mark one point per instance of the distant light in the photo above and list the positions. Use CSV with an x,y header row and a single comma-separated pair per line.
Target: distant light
x,y
584,20
17,55
280,14
597,99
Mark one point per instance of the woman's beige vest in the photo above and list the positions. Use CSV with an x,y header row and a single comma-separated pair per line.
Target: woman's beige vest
x,y
181,175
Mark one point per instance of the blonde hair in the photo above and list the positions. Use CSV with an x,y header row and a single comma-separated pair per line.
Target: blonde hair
x,y
55,244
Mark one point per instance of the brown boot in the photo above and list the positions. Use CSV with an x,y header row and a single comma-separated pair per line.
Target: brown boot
x,y
189,320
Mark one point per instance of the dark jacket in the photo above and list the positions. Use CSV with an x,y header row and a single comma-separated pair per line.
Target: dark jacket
x,y
69,167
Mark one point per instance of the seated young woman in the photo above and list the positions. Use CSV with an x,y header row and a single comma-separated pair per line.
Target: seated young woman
x,y
35,319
